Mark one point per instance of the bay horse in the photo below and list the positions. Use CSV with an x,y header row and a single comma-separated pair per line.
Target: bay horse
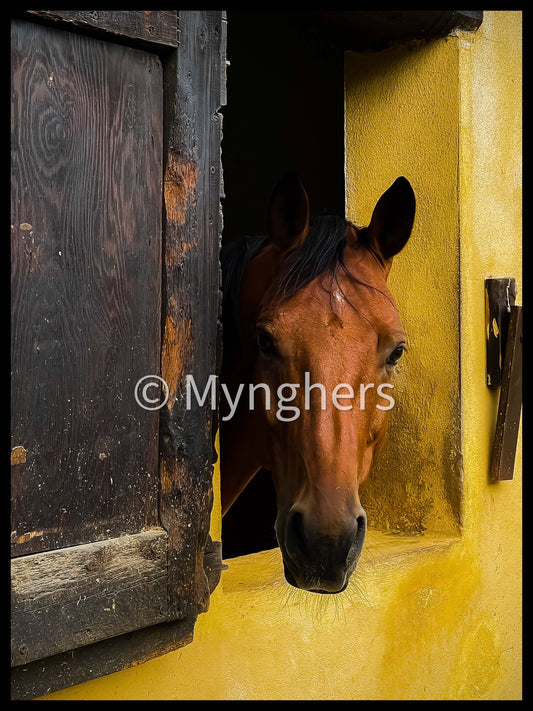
x,y
310,301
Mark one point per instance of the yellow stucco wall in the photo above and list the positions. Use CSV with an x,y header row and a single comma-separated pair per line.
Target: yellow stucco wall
x,y
402,109
434,615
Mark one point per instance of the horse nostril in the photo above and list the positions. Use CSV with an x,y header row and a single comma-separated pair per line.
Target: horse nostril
x,y
295,537
358,540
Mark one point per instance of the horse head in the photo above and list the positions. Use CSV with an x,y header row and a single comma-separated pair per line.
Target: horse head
x,y
320,329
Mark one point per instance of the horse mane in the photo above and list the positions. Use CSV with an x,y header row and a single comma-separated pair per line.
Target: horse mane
x,y
320,253
234,260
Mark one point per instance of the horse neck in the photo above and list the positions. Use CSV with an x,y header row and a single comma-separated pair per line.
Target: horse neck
x,y
241,437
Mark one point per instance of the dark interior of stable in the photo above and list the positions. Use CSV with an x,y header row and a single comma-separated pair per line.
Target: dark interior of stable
x,y
284,112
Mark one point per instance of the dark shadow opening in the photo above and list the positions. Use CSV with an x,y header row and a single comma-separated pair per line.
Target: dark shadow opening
x,y
285,112
248,527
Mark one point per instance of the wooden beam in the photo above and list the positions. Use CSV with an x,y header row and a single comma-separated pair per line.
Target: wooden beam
x,y
44,676
156,27
192,230
75,596
363,30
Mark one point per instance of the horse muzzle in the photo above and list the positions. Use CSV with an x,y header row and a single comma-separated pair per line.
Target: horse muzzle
x,y
320,563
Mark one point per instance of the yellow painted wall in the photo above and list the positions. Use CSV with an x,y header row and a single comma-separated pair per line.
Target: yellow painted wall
x,y
402,109
434,615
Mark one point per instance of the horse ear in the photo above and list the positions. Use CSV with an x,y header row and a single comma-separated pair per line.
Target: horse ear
x,y
392,219
288,213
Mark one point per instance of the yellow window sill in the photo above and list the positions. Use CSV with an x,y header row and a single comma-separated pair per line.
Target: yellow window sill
x,y
263,569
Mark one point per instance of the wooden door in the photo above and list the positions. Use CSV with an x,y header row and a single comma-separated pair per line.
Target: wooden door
x,y
115,231
86,284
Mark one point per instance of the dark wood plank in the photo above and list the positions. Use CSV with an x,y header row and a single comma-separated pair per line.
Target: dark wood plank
x,y
510,404
192,231
500,295
363,30
157,27
110,655
86,273
94,660
79,595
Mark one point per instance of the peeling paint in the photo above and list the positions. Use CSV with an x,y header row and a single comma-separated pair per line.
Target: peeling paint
x,y
25,537
180,184
18,455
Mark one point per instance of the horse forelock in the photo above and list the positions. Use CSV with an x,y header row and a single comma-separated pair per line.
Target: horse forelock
x,y
321,253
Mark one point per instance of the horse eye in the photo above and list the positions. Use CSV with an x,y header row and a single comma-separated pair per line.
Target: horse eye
x,y
266,342
396,354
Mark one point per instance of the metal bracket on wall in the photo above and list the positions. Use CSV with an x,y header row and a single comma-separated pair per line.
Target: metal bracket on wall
x,y
504,368
500,295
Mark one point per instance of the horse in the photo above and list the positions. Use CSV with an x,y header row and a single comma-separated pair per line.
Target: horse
x,y
309,302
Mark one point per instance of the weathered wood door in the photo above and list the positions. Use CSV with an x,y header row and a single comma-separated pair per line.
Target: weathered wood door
x,y
115,232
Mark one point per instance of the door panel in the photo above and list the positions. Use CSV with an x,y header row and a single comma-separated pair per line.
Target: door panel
x,y
86,286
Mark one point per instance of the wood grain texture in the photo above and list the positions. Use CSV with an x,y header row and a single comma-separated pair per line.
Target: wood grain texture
x,y
88,124
158,27
76,596
192,230
86,274
34,679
